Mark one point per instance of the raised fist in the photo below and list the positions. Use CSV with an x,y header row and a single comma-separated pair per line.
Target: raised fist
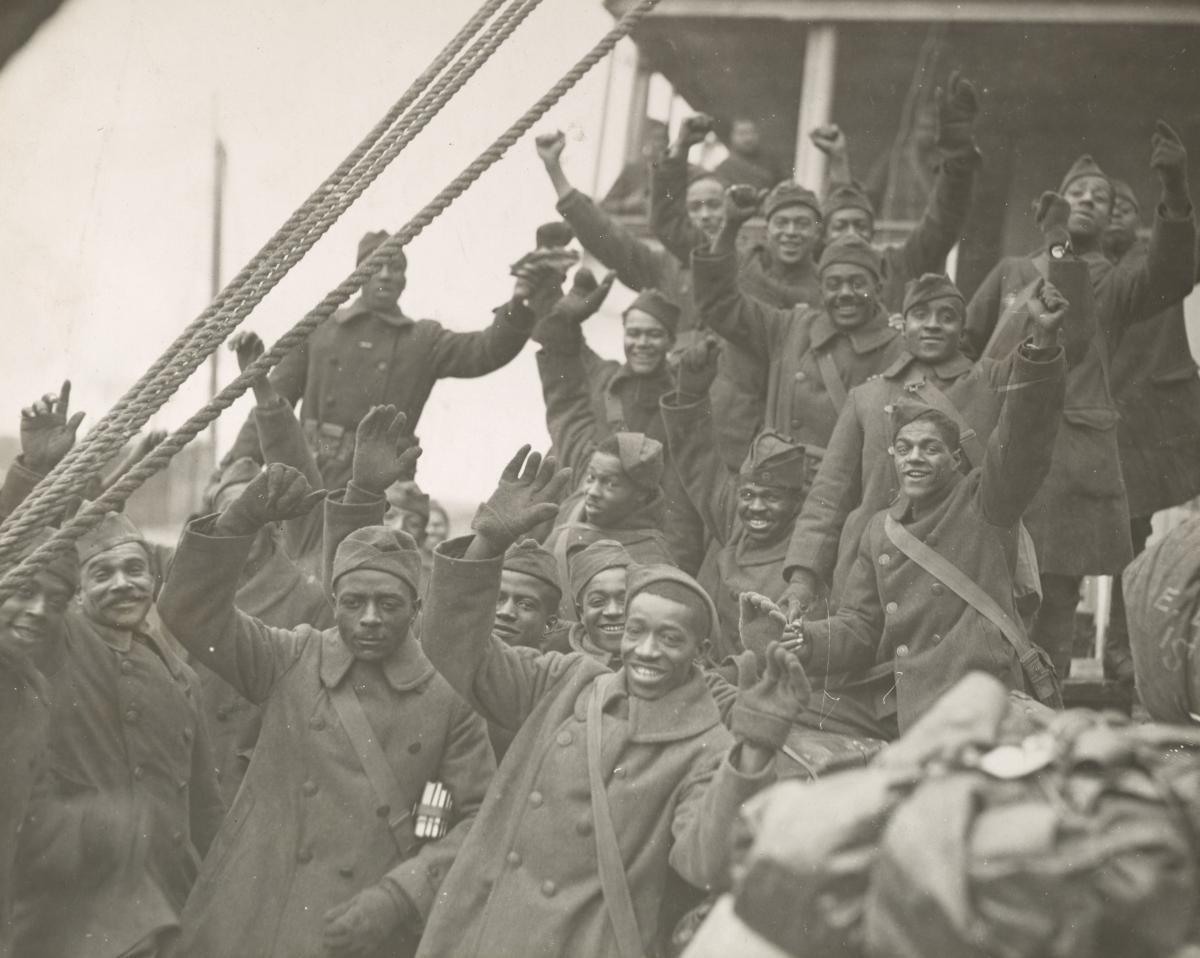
x,y
741,203
698,367
957,108
830,140
1047,306
550,147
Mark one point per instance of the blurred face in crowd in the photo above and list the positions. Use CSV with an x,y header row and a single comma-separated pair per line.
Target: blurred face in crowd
x,y
663,636
373,611
792,232
602,609
744,137
1122,228
850,221
525,608
850,294
117,586
399,519
32,617
933,330
925,460
647,342
767,512
437,529
1091,202
383,289
610,495
706,206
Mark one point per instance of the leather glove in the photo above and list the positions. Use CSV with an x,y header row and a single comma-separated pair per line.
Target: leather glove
x,y
697,368
957,108
524,499
276,494
358,927
766,709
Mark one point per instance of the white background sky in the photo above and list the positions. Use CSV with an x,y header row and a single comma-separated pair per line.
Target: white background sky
x,y
107,120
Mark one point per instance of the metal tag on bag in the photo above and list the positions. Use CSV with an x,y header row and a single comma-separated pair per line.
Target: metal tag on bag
x,y
1017,761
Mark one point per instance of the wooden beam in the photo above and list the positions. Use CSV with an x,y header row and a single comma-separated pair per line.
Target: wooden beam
x,y
1090,12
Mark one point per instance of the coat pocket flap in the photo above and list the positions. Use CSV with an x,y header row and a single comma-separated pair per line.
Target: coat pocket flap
x,y
1091,418
1180,374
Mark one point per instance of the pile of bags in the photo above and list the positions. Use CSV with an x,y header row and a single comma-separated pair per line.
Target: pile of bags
x,y
995,827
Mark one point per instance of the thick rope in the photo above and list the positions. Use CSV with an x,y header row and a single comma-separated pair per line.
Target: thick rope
x,y
113,498
53,491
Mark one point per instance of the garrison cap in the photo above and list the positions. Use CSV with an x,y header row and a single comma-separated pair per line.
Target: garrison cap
x,y
774,460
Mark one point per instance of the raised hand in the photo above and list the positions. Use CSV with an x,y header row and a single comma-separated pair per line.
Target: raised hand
x,y
248,346
692,130
957,108
585,297
541,270
276,494
1048,307
384,451
760,622
741,204
550,147
527,495
1168,158
359,927
766,708
47,432
1051,213
697,368
830,139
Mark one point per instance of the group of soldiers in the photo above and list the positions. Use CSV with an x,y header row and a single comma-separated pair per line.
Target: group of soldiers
x,y
820,489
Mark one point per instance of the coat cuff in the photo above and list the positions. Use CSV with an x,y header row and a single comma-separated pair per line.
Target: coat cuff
x,y
201,541
711,266
517,316
559,337
569,202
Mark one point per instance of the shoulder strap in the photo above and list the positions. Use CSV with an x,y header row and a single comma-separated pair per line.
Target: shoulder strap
x,y
968,438
832,379
375,764
608,853
1045,686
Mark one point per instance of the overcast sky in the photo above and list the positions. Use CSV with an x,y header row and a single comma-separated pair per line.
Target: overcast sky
x,y
107,119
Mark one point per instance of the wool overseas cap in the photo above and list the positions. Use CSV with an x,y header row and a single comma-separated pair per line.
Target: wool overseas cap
x,y
657,305
407,495
641,457
531,559
789,193
641,578
1084,166
903,411
846,196
853,250
64,566
927,287
380,549
115,529
372,241
587,563
774,460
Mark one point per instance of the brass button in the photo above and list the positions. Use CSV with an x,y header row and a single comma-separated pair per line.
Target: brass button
x,y
885,559
565,738
126,666
513,858
346,871
937,588
800,377
619,771
584,826
131,717
317,724
414,748
138,772
309,788
890,608
549,889
304,856
901,651
535,799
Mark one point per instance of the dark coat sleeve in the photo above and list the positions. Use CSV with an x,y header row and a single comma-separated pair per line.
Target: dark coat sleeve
x,y
635,262
1139,288
941,227
281,439
849,639
570,418
18,484
1019,451
289,377
344,512
668,208
748,323
469,355
707,482
502,683
835,493
983,312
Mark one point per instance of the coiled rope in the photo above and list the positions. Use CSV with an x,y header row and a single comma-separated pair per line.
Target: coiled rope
x,y
286,248
115,496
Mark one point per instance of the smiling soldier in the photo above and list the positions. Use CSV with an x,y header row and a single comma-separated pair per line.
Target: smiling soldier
x,y
598,585
929,597
554,866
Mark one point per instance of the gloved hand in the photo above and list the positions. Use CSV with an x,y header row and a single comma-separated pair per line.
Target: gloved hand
x,y
1168,158
384,452
766,710
276,494
1051,213
584,297
524,499
741,203
697,368
358,927
692,130
47,433
957,108
760,622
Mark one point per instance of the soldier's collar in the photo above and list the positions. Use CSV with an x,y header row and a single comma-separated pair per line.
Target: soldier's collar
x,y
954,367
865,339
393,316
682,713
405,669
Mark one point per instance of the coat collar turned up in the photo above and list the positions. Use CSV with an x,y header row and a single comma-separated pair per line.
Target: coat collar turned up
x,y
953,368
683,713
867,338
393,316
405,669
